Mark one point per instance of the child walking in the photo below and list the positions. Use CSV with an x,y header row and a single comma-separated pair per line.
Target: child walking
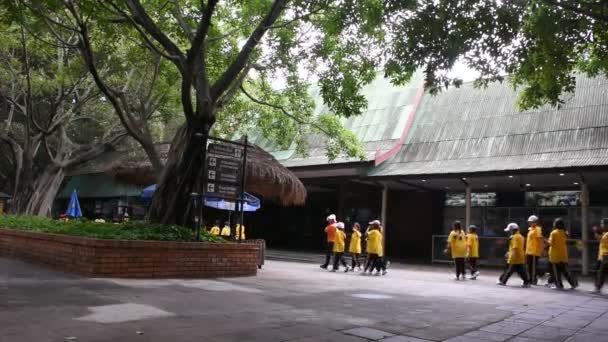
x,y
457,245
374,246
339,241
558,255
516,259
355,246
473,251
603,260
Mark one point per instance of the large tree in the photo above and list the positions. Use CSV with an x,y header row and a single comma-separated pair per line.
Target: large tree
x,y
52,118
226,56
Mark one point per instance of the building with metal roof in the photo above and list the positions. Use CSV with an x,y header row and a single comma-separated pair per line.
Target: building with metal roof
x,y
467,153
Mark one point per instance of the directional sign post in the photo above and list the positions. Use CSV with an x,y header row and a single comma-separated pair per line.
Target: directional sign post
x,y
224,173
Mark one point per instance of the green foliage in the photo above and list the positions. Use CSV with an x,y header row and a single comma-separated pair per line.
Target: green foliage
x,y
122,231
538,43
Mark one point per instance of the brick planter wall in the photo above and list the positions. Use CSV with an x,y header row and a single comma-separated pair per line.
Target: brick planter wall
x,y
131,259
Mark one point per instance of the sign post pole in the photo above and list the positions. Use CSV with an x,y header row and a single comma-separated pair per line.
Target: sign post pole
x,y
243,179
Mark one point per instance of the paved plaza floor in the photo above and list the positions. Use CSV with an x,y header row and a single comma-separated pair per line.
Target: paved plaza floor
x,y
291,301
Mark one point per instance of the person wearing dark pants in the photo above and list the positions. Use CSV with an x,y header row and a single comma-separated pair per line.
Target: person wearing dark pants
x,y
355,246
374,249
558,255
330,232
534,248
473,251
457,246
371,263
516,259
339,244
600,277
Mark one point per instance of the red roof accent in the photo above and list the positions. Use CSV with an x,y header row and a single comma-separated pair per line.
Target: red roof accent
x,y
381,157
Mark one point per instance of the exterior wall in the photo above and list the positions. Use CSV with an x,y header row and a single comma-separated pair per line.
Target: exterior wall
x,y
412,218
131,259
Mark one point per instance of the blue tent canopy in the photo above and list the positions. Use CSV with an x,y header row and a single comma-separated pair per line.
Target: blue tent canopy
x,y
252,203
74,207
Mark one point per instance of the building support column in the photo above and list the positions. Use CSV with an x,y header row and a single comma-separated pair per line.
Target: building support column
x,y
383,215
467,203
584,224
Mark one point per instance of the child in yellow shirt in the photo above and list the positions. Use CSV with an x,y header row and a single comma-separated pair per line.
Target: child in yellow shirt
x,y
457,246
516,258
603,259
473,251
355,246
558,255
339,242
374,249
215,230
226,231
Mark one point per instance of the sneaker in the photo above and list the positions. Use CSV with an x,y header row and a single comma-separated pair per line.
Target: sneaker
x,y
359,269
575,285
476,274
346,269
463,277
384,272
323,267
456,278
500,283
596,291
388,264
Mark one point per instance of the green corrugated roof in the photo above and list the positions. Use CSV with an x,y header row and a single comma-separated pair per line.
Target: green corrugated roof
x,y
378,127
97,186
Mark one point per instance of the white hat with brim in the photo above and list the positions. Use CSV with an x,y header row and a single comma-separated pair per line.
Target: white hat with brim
x,y
331,217
511,227
340,225
374,222
533,218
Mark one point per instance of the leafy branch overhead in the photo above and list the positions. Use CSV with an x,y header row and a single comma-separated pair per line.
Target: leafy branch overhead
x,y
537,44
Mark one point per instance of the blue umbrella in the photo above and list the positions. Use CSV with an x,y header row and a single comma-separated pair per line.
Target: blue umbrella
x,y
148,192
74,207
252,203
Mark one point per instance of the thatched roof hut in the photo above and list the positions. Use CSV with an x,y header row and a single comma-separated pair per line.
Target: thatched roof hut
x,y
265,176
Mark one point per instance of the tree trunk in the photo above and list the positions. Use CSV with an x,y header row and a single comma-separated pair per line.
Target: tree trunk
x,y
45,190
37,194
182,174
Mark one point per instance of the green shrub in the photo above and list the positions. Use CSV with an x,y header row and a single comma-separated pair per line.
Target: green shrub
x,y
123,231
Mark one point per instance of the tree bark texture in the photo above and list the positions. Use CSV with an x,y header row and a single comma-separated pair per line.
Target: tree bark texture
x,y
182,176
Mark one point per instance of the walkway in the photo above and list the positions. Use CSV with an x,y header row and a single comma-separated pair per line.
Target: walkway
x,y
291,301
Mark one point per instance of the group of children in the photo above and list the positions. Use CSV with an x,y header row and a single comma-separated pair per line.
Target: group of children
x,y
524,253
336,246
225,231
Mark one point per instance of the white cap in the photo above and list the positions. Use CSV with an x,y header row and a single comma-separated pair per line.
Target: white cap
x,y
331,217
340,225
533,218
511,226
375,222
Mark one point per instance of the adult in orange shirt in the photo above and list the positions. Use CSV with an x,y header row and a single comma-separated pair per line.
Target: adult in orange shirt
x,y
330,232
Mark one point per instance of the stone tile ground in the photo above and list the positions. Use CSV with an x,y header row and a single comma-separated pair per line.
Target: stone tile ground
x,y
292,302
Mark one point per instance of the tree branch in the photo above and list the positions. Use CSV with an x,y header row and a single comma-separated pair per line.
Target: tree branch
x,y
285,112
181,21
222,84
578,8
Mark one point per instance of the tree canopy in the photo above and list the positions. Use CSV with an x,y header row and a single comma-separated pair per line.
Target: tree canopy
x,y
537,44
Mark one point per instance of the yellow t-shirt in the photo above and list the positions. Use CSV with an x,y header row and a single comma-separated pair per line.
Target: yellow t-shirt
x,y
516,250
225,231
603,246
355,242
239,231
473,245
535,241
558,251
374,242
339,239
458,244
215,230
